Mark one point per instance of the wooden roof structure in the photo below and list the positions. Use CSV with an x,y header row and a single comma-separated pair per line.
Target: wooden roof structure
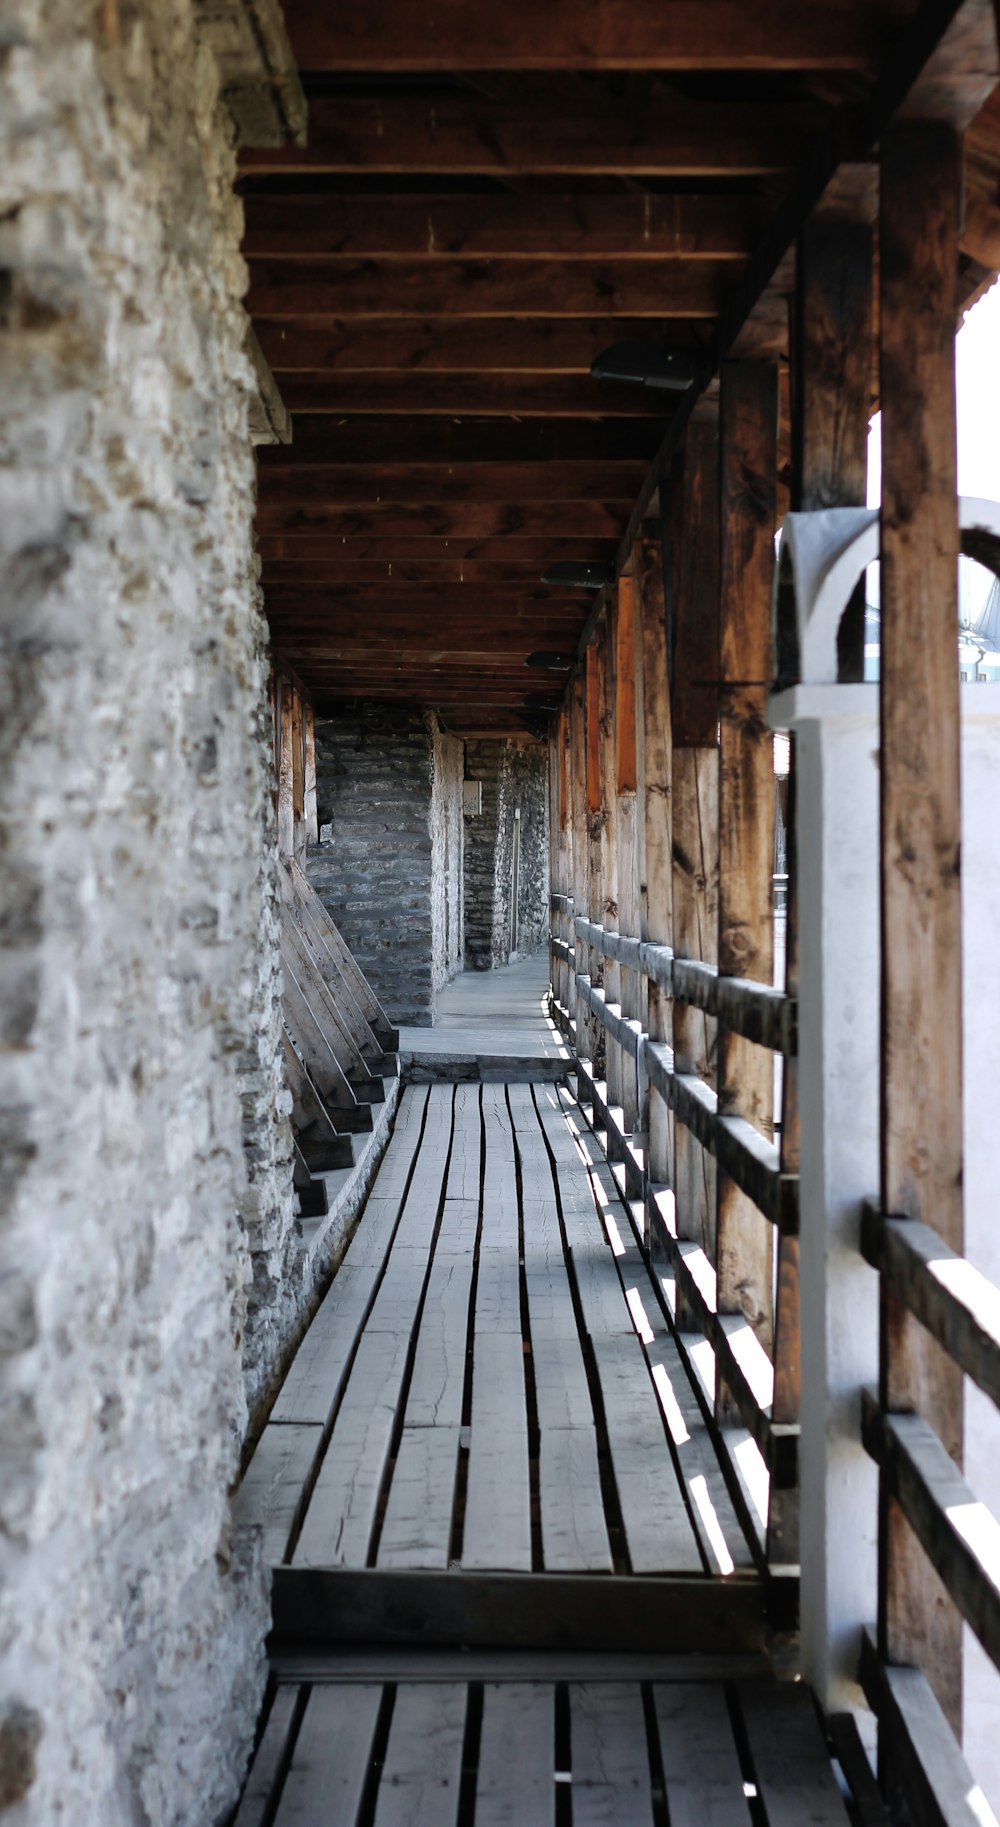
x,y
487,199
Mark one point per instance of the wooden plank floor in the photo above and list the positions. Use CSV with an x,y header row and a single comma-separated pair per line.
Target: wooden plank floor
x,y
509,1587
523,1751
490,1385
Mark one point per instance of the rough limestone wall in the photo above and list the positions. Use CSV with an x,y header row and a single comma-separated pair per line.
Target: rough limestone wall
x,y
373,869
136,976
529,778
447,874
486,934
513,777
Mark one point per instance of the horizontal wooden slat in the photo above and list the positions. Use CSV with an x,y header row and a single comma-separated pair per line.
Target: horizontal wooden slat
x,y
628,1034
755,1010
958,1533
557,396
746,1156
657,133
587,35
957,1304
484,288
483,345
732,1341
664,1613
486,501
326,553
919,1747
462,441
635,227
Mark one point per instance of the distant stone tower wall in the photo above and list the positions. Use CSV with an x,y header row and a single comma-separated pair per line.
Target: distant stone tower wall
x,y
514,781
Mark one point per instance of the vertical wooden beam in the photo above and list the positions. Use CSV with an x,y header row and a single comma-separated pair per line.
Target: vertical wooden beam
x,y
921,170
748,462
298,775
832,356
831,391
656,749
626,822
311,812
286,795
608,915
694,646
581,847
567,840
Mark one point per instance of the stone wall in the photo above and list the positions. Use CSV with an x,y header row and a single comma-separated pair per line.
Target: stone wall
x,y
388,788
514,779
137,973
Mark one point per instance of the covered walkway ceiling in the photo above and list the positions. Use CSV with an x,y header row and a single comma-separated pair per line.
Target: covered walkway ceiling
x,y
489,197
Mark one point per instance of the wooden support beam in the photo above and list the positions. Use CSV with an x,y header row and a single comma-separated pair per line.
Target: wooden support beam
x,y
626,736
921,826
660,133
574,226
484,288
608,913
284,555
428,396
694,658
595,35
832,387
520,494
748,452
467,345
286,803
578,814
593,903
384,441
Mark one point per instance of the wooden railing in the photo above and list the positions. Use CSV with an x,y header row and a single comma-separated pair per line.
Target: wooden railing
x,y
919,1480
751,1161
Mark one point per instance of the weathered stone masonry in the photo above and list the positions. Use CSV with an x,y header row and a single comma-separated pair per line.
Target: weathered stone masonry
x,y
389,793
513,778
140,1256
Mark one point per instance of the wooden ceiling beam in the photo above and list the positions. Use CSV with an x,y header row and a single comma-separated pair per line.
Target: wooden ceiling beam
x,y
653,132
463,444
628,226
590,35
412,571
464,520
492,345
459,289
282,556
557,396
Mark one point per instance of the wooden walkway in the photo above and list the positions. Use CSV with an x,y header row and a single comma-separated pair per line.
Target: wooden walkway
x,y
509,1583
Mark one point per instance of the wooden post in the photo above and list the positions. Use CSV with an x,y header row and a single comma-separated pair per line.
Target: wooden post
x,y
694,641
581,849
298,776
626,822
748,464
831,349
605,644
567,840
831,388
921,169
651,608
286,765
311,813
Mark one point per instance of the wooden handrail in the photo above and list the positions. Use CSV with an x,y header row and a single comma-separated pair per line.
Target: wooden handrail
x,y
958,1306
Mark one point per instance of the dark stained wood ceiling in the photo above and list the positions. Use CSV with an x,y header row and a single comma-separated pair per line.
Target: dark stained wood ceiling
x,y
488,198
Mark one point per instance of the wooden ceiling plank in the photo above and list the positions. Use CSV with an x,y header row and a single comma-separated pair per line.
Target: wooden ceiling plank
x,y
486,288
463,444
495,345
644,226
281,555
491,395
589,35
656,132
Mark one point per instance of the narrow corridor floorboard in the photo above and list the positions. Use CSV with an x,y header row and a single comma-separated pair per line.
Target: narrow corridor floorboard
x,y
509,1585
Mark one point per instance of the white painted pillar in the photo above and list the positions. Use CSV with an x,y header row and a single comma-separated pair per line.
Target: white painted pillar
x,y
981,1071
837,828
